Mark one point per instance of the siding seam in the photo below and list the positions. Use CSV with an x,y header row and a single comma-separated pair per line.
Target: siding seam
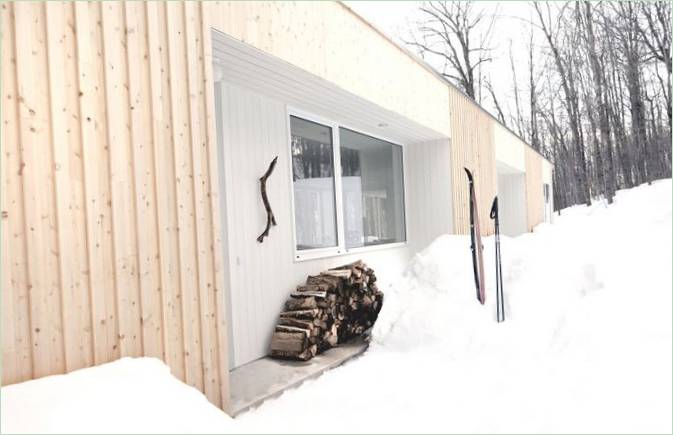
x,y
117,346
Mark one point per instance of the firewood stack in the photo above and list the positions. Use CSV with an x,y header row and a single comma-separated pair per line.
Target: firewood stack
x,y
330,308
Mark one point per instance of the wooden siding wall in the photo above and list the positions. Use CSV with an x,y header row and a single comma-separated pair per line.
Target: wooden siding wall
x,y
472,146
534,193
109,192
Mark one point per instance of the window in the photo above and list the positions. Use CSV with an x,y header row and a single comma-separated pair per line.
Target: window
x,y
313,183
373,190
359,204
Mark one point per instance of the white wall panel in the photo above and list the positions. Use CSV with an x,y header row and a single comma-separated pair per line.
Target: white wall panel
x,y
509,149
512,203
430,214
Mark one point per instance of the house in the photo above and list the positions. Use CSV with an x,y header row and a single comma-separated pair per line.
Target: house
x,y
133,138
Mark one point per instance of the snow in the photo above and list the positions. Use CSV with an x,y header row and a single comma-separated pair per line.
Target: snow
x,y
130,395
586,347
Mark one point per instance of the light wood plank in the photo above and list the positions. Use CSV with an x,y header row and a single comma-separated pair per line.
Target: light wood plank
x,y
534,190
64,90
144,176
182,145
201,182
165,183
214,194
98,203
121,179
472,146
38,190
16,337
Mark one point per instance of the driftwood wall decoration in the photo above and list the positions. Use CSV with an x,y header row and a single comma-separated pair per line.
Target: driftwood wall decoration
x,y
270,218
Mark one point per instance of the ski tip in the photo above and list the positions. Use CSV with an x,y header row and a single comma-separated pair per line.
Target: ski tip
x,y
494,208
469,174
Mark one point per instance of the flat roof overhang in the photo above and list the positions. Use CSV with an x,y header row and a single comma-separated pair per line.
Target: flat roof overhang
x,y
240,64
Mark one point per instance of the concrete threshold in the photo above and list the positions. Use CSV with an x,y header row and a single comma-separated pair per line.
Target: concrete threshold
x,y
265,378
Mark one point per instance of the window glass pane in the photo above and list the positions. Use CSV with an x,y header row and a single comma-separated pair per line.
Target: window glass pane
x,y
313,182
373,190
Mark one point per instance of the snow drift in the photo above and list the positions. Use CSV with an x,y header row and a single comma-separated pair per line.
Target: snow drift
x,y
586,346
131,395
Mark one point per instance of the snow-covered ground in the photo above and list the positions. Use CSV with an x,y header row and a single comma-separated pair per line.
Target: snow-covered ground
x,y
586,347
126,396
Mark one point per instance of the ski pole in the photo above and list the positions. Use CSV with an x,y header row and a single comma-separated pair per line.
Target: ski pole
x,y
500,297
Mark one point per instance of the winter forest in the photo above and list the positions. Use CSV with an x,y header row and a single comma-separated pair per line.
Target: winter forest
x,y
590,88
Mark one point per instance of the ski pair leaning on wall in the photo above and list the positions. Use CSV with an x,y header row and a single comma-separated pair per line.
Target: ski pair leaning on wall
x,y
477,251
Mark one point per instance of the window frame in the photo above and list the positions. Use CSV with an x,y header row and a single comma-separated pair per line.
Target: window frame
x,y
340,249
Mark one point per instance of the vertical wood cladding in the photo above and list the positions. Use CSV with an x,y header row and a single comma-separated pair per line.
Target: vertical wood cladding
x,y
109,194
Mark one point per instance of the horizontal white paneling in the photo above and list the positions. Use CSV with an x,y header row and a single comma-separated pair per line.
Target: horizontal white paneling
x,y
512,203
430,214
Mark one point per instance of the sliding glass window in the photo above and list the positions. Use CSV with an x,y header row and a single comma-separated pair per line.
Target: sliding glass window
x,y
373,190
313,184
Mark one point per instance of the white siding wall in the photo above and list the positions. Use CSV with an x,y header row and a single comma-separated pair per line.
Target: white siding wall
x,y
253,131
429,192
509,149
512,204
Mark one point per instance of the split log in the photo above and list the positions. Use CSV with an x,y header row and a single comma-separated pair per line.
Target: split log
x,y
313,288
289,341
341,273
309,293
300,314
301,303
289,321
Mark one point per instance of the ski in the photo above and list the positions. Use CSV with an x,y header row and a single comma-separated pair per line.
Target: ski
x,y
499,295
475,237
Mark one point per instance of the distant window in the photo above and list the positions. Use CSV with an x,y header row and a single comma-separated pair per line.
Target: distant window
x,y
373,190
313,183
546,192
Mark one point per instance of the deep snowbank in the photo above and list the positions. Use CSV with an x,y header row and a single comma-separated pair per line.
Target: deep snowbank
x,y
586,347
136,395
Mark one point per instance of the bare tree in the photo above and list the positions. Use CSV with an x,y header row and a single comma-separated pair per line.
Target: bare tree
x,y
564,66
603,152
518,118
500,113
627,32
656,34
533,94
598,77
458,34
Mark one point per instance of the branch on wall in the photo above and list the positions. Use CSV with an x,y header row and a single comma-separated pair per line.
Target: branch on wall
x,y
270,218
